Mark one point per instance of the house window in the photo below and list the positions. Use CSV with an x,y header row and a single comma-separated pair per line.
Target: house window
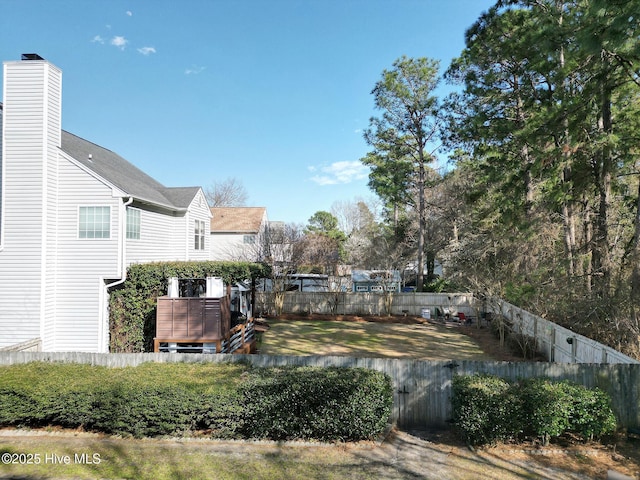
x,y
199,235
133,223
249,239
94,222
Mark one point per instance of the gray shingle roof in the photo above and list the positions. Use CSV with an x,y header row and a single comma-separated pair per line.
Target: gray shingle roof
x,y
127,177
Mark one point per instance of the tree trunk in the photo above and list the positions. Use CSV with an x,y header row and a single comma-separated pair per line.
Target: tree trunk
x,y
588,243
601,254
568,206
635,274
422,225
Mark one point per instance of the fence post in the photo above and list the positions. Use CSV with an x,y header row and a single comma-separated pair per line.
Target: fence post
x,y
552,344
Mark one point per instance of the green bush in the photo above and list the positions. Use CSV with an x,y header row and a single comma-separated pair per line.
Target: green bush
x,y
547,406
591,413
227,401
316,403
149,400
487,409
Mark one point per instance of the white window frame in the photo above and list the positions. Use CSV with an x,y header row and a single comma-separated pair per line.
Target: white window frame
x,y
134,222
102,209
199,234
249,239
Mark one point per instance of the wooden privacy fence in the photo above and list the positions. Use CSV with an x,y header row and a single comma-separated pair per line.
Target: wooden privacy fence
x,y
556,343
369,303
422,389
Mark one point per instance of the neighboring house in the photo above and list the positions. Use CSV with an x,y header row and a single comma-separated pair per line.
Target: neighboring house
x,y
375,280
238,233
73,216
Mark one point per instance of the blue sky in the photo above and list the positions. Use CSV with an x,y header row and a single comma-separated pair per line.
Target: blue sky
x,y
275,93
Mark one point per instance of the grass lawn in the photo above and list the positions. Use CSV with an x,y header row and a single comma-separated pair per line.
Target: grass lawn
x,y
402,457
170,459
191,460
368,339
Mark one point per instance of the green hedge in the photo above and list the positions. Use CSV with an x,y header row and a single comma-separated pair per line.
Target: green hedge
x,y
132,306
310,402
226,401
487,409
149,400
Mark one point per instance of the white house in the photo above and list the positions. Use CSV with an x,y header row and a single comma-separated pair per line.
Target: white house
x,y
237,233
73,216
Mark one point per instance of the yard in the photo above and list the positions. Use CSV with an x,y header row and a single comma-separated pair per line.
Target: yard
x,y
373,337
59,453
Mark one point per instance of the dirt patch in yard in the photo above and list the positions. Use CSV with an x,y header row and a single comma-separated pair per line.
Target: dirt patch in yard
x,y
567,458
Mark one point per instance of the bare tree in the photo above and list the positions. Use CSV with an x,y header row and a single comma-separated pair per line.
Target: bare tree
x,y
356,214
227,193
280,247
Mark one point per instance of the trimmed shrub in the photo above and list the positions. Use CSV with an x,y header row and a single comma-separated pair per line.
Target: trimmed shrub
x,y
555,408
143,401
591,414
316,403
487,409
547,406
226,401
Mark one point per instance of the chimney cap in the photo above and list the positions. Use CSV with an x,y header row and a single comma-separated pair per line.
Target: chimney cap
x,y
31,56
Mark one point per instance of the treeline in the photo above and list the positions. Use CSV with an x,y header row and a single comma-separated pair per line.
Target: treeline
x,y
548,137
541,202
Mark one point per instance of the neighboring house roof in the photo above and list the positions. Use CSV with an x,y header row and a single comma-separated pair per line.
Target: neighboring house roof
x,y
237,219
127,177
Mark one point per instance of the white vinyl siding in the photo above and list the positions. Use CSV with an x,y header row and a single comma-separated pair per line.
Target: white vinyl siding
x,y
162,238
31,136
54,265
83,263
1,221
232,247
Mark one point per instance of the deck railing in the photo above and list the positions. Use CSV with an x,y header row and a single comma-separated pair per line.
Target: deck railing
x,y
240,339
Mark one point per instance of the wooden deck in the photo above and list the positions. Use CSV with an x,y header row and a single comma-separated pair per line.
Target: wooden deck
x,y
200,325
